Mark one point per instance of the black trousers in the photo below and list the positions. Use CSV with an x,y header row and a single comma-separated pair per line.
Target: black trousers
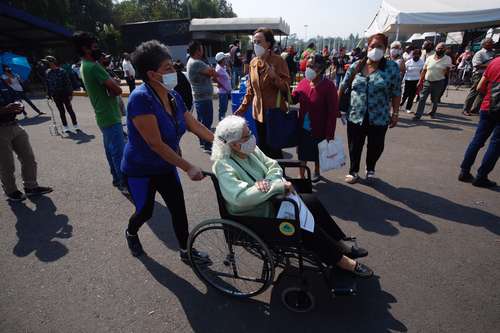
x,y
131,83
356,136
261,139
409,93
143,191
326,241
63,101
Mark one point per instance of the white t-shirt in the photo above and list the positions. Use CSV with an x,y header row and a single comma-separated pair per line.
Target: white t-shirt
x,y
14,82
413,69
127,66
436,67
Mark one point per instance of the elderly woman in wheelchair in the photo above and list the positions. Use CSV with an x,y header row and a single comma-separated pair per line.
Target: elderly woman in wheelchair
x,y
251,239
248,181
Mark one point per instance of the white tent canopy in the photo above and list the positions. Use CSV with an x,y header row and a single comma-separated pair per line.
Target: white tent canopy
x,y
404,16
240,25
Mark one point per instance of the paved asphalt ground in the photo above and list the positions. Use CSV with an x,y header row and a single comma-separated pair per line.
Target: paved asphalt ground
x,y
433,242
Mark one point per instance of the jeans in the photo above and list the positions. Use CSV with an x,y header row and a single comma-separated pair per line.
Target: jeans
x,y
487,126
143,191
61,102
223,102
114,143
205,112
14,139
474,98
338,79
409,93
435,89
235,76
356,136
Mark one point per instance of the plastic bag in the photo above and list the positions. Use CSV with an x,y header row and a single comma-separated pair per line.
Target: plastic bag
x,y
331,154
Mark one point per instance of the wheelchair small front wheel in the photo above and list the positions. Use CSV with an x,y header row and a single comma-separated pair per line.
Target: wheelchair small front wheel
x,y
296,299
240,264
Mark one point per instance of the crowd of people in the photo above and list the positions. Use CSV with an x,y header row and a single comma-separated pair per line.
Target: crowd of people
x,y
368,85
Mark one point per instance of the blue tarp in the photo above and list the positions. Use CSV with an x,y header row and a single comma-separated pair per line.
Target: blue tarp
x,y
17,63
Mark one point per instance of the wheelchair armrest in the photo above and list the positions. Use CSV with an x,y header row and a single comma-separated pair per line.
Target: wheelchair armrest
x,y
284,164
291,163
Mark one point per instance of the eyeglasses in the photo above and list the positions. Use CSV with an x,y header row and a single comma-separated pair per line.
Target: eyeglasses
x,y
247,137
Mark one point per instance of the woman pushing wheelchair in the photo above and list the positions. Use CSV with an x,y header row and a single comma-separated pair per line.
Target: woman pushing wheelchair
x,y
249,180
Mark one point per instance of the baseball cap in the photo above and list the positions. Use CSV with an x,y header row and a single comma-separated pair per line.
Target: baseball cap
x,y
219,56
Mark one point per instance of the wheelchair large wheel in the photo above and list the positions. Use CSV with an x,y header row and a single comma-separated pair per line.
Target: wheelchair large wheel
x,y
240,264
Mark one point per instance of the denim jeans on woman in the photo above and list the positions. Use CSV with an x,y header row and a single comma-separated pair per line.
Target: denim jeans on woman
x,y
487,126
205,112
114,143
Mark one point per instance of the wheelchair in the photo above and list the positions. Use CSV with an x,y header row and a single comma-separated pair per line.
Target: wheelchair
x,y
244,252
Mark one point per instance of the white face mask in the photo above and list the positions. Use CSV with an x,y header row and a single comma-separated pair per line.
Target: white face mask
x,y
395,52
310,74
375,54
259,50
170,80
248,147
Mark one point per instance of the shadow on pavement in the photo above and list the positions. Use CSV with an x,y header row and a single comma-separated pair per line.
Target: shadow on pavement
x,y
210,312
213,312
371,213
161,225
34,120
428,122
430,204
369,311
80,137
37,230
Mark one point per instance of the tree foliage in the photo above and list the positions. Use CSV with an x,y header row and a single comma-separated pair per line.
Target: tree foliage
x,y
104,17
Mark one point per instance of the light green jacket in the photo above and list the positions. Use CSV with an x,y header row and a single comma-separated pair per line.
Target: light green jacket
x,y
238,189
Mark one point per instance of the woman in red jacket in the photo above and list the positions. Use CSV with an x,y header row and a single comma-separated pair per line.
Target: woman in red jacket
x,y
318,111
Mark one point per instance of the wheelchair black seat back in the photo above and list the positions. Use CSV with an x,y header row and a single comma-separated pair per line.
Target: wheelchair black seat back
x,y
243,252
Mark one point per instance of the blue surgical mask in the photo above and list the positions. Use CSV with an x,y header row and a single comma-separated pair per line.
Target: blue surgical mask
x,y
170,80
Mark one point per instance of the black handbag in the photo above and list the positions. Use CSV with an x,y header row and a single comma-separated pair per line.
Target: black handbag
x,y
281,126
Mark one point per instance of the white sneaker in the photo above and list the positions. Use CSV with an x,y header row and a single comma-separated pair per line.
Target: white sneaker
x,y
66,129
76,128
370,175
408,111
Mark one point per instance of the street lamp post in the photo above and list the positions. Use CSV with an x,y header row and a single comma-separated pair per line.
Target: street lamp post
x,y
305,37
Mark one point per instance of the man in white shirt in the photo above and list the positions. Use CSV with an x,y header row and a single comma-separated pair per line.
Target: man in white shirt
x,y
13,80
128,71
432,80
479,62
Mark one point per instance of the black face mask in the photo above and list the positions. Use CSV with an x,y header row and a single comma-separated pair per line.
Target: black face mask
x,y
440,53
96,54
416,58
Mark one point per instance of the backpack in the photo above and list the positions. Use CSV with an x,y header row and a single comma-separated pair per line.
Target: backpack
x,y
494,110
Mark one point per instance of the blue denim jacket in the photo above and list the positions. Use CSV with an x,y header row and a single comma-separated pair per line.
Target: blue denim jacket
x,y
373,94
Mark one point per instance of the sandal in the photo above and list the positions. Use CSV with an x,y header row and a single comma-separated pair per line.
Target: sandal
x,y
466,113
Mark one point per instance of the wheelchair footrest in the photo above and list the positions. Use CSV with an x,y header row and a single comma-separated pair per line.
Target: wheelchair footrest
x,y
342,283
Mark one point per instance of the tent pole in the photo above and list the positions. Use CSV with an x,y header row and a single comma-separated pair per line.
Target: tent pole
x,y
435,38
397,29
